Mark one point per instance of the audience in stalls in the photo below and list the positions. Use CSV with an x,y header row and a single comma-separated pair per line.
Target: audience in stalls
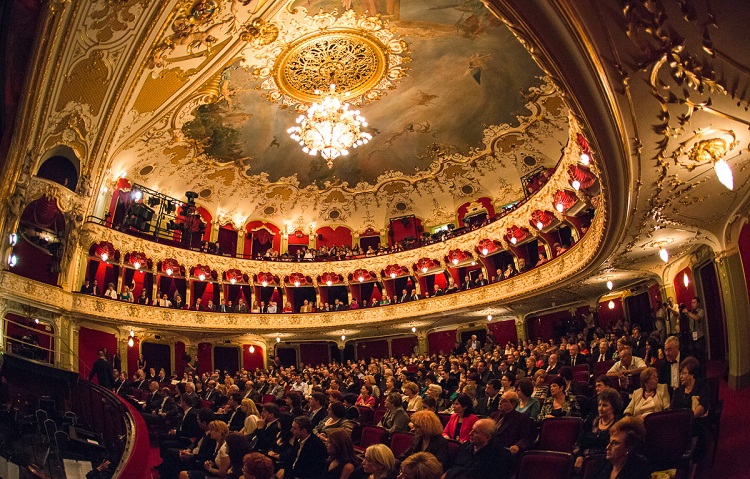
x,y
325,394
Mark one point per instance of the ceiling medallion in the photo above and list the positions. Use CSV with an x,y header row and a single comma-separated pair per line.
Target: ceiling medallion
x,y
708,147
359,54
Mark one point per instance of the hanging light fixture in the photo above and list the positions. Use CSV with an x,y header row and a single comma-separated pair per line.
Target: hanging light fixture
x,y
576,185
232,280
610,285
539,225
393,275
329,282
104,256
424,269
413,329
278,339
330,128
585,159
296,284
264,283
202,277
611,304
131,343
664,255
251,349
343,337
489,317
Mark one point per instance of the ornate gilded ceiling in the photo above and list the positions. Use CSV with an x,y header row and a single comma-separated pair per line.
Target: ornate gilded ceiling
x,y
197,95
456,106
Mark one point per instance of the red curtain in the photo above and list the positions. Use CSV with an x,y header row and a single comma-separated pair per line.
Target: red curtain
x,y
403,346
90,341
339,236
485,202
684,294
313,353
252,361
34,263
608,316
377,348
179,363
228,240
205,362
441,342
503,331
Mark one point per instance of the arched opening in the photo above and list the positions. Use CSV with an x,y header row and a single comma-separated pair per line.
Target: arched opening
x,y
61,170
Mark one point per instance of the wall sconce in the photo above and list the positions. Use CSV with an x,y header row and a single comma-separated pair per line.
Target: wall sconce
x,y
251,349
611,304
685,279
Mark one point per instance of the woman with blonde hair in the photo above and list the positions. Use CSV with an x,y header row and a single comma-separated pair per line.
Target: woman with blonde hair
x,y
428,436
421,465
369,379
219,465
650,397
379,462
252,415
411,396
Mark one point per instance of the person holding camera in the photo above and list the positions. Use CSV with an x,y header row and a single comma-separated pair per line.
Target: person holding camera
x,y
696,318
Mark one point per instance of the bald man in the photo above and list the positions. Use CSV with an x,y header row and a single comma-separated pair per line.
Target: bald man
x,y
480,457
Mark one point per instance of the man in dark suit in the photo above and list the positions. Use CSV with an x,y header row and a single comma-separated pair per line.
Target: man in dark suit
x,y
404,296
488,405
480,281
317,408
193,457
232,414
103,372
601,353
309,458
268,428
639,342
515,430
211,394
180,436
480,457
669,367
575,356
553,364
413,296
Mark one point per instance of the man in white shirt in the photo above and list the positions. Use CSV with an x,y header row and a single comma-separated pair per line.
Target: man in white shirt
x,y
272,308
164,302
627,366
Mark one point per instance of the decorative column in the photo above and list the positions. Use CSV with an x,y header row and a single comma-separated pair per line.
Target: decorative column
x,y
240,242
734,293
422,341
520,330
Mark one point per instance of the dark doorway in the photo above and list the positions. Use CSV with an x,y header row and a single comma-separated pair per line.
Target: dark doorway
x,y
60,170
287,355
227,358
157,356
714,313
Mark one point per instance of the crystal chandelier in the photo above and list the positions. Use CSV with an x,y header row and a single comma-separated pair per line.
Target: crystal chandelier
x,y
330,128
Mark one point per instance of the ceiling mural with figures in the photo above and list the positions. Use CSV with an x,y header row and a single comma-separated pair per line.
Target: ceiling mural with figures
x,y
445,88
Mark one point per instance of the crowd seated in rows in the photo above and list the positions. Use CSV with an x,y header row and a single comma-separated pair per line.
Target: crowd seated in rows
x,y
478,414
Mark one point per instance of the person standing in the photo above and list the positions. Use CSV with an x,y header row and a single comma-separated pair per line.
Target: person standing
x,y
697,318
102,369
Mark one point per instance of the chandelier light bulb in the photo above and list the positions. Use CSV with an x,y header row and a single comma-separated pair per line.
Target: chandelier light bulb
x,y
251,349
685,279
137,195
585,159
540,225
330,128
473,263
611,304
132,334
484,252
724,173
610,285
664,255
559,207
36,321
576,185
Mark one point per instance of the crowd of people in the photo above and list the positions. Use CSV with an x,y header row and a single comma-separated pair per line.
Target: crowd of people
x,y
303,421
